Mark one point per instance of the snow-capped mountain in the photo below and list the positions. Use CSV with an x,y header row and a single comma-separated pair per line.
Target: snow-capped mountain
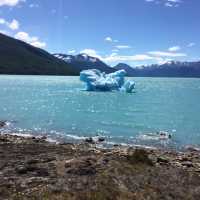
x,y
169,69
84,61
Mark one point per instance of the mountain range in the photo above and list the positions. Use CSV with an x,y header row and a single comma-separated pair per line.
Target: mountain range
x,y
169,69
18,57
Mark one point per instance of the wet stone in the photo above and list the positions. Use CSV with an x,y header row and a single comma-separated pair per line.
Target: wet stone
x,y
89,140
21,170
101,139
32,161
162,160
42,172
187,164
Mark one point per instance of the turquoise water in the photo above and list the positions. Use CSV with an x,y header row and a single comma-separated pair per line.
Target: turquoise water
x,y
60,108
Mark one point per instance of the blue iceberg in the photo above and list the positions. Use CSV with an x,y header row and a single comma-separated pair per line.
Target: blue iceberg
x,y
100,81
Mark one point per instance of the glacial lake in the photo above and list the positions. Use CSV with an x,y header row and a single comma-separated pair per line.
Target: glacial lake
x,y
59,107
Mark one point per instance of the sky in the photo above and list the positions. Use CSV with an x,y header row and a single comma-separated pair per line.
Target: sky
x,y
136,32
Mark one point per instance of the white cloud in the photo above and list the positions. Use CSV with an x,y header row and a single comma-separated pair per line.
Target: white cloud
x,y
33,5
53,11
2,21
31,40
91,52
108,39
159,57
115,50
174,1
166,54
10,2
175,48
38,44
13,25
162,61
167,3
4,32
114,57
191,44
123,47
71,51
121,58
66,17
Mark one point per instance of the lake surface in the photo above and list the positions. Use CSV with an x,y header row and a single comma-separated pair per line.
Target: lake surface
x,y
60,108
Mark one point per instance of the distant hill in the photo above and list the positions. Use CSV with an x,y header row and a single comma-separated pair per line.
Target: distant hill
x,y
130,71
84,61
169,69
17,57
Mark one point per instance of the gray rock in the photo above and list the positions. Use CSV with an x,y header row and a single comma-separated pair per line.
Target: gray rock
x,y
42,172
21,169
187,164
90,140
162,160
101,139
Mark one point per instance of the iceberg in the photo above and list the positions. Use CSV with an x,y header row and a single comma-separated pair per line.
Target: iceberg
x,y
100,81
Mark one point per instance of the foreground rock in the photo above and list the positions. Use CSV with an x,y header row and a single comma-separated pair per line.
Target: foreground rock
x,y
31,168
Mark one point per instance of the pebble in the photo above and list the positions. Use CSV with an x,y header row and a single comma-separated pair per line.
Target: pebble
x,y
162,160
21,170
187,164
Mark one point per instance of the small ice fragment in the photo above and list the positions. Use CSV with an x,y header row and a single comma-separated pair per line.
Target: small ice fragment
x,y
129,86
160,135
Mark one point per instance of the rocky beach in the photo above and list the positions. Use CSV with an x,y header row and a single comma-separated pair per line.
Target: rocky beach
x,y
33,168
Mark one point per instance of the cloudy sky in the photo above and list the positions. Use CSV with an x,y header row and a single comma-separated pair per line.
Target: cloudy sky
x,y
132,31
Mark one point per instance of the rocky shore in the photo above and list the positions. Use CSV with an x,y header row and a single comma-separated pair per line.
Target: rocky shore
x,y
32,168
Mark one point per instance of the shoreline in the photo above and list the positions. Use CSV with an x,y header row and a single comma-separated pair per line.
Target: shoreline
x,y
33,168
101,141
105,141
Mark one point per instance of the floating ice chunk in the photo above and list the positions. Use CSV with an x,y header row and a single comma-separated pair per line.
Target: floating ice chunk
x,y
97,81
129,86
161,135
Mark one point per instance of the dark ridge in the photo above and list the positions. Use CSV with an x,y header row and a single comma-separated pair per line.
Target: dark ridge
x,y
17,57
